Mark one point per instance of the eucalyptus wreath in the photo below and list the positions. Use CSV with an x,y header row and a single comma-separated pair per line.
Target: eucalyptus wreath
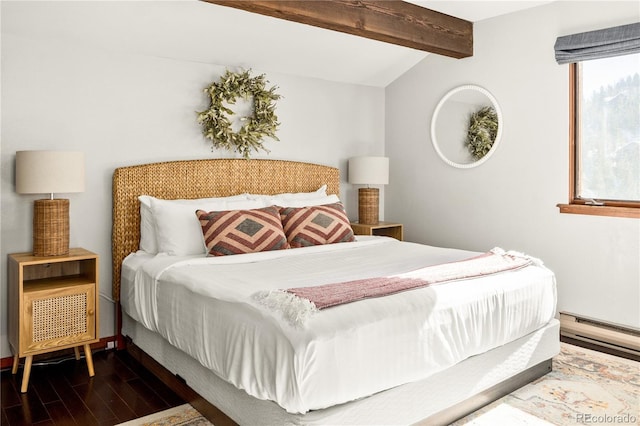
x,y
482,132
216,125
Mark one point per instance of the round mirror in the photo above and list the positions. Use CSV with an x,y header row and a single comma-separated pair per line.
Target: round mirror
x,y
466,126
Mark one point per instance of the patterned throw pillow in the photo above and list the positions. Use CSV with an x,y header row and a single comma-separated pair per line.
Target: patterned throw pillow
x,y
242,231
311,226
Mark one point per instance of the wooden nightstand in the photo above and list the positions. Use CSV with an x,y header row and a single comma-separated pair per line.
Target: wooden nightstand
x,y
52,305
388,229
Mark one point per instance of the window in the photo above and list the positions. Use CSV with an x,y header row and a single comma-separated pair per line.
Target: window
x,y
604,125
607,120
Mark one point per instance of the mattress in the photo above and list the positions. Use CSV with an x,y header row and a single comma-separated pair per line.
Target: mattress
x,y
204,307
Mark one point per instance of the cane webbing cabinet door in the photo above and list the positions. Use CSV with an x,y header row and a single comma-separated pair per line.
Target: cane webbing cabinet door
x,y
52,305
58,315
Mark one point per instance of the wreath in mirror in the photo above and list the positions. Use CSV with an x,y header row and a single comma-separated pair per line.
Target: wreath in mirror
x,y
482,132
262,122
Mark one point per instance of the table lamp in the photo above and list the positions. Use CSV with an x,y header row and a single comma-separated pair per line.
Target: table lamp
x,y
49,172
368,171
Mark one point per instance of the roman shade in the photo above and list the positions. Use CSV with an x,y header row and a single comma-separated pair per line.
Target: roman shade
x,y
615,41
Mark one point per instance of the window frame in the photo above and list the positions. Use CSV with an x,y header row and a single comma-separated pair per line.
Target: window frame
x,y
629,209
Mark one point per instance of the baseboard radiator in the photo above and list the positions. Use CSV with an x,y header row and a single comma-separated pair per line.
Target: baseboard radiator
x,y
612,336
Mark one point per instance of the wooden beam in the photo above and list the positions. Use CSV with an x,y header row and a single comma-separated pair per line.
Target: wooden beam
x,y
391,21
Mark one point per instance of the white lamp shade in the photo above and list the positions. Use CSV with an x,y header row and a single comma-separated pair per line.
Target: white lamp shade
x,y
369,170
48,172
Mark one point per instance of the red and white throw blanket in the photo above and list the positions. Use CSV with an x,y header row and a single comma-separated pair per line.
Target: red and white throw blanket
x,y
297,304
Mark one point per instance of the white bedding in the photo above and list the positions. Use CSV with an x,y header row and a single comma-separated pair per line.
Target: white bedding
x,y
345,352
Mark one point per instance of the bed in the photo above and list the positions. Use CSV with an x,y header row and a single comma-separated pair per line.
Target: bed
x,y
427,355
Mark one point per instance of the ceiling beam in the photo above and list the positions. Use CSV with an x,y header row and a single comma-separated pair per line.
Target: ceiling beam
x,y
391,21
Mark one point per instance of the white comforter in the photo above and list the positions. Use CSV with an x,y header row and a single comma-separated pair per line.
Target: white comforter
x,y
204,306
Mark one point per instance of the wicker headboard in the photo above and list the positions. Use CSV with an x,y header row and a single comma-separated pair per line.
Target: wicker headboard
x,y
199,179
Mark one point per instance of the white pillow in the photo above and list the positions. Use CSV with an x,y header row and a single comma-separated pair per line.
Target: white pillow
x,y
322,191
178,231
148,238
297,199
147,226
309,202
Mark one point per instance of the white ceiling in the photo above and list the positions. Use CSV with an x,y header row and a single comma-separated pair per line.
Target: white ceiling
x,y
474,11
190,30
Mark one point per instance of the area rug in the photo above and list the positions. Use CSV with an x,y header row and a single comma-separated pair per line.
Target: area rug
x,y
183,415
585,387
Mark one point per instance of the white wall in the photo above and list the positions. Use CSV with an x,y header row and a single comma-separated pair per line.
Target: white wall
x,y
122,109
510,201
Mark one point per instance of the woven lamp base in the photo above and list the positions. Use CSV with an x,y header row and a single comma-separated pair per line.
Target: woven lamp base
x,y
51,227
368,205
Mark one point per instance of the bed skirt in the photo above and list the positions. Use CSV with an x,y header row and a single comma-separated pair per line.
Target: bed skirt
x,y
466,386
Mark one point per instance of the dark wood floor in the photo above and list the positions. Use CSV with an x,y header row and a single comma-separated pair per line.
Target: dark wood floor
x,y
61,392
